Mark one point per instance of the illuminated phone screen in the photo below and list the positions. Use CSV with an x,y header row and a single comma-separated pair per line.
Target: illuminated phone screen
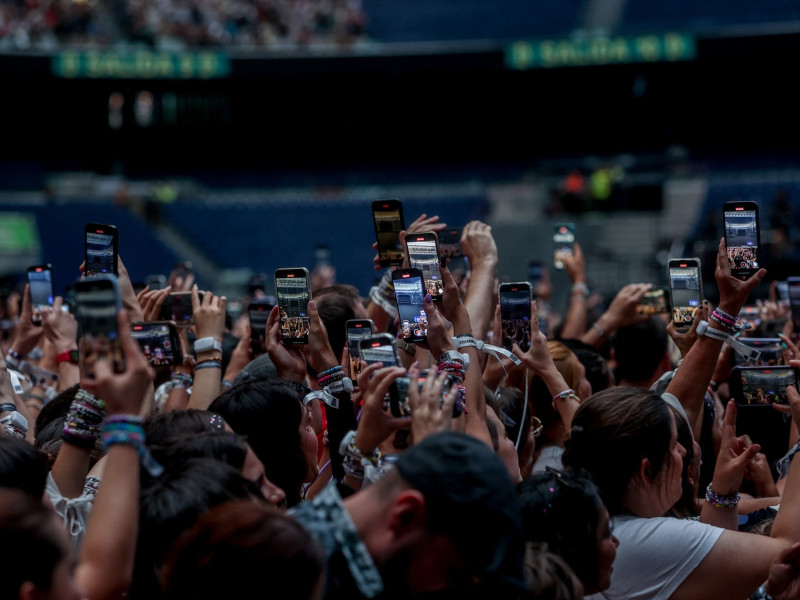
x,y
515,315
424,255
409,295
293,298
685,286
156,342
99,253
741,238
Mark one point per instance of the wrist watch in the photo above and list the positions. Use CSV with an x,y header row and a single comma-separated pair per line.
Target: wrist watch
x,y
207,343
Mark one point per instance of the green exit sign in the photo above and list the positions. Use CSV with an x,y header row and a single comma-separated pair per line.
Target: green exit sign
x,y
549,54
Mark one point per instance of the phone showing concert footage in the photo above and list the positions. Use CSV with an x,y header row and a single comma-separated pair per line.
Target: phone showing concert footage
x,y
655,301
409,294
742,237
515,314
178,307
293,292
258,310
40,280
423,254
100,249
159,342
563,243
450,242
761,386
97,302
387,216
686,290
399,404
379,348
355,331
793,289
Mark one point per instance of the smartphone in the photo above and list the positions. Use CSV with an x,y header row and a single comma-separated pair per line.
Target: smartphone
x,y
258,310
793,285
356,330
563,243
387,215
742,237
685,290
515,314
423,254
97,302
379,347
156,281
40,279
100,249
159,342
409,293
771,350
293,292
450,242
761,386
398,394
177,307
655,301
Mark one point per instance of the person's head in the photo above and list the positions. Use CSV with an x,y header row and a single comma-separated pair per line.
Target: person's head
x,y
598,372
278,427
549,576
38,562
22,466
502,444
238,547
690,477
564,510
627,439
163,426
444,515
509,406
335,309
641,352
172,502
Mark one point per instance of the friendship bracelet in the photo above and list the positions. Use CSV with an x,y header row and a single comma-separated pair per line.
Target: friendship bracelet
x,y
565,395
129,430
723,317
208,364
728,316
718,500
600,331
14,354
331,370
580,287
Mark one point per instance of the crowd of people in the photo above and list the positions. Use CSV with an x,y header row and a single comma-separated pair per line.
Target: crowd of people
x,y
602,461
51,25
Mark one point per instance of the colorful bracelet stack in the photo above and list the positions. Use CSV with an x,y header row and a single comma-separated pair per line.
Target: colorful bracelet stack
x,y
210,363
330,376
129,430
84,418
717,500
181,380
456,368
568,394
728,321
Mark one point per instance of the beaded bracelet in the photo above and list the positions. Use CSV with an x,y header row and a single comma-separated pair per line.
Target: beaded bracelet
x,y
182,379
129,430
565,395
208,364
723,314
82,424
330,371
715,499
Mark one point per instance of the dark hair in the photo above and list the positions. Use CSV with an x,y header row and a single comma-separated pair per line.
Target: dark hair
x,y
335,308
29,530
598,373
163,426
563,510
22,466
639,348
612,431
509,404
220,445
48,430
549,577
55,408
243,545
267,411
687,505
172,502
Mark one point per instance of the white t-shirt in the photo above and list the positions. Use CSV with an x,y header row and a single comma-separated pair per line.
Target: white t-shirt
x,y
550,456
656,555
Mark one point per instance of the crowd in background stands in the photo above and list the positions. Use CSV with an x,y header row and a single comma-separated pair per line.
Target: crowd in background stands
x,y
175,25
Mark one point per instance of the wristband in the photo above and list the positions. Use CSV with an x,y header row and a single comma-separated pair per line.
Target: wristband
x,y
70,356
207,343
600,331
717,500
722,336
465,340
580,287
8,407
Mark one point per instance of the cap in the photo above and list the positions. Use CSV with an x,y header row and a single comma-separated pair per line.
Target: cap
x,y
470,498
261,366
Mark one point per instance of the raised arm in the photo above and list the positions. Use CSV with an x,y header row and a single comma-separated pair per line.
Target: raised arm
x,y
575,321
481,250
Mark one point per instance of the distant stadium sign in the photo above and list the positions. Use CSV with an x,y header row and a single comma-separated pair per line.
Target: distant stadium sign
x,y
140,65
545,54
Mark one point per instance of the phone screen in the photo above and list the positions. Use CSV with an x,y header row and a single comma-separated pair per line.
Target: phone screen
x,y
356,330
258,314
409,294
388,219
685,288
515,315
178,307
742,238
761,385
158,342
793,285
97,303
293,295
423,254
100,250
381,349
450,243
563,243
40,279
654,302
